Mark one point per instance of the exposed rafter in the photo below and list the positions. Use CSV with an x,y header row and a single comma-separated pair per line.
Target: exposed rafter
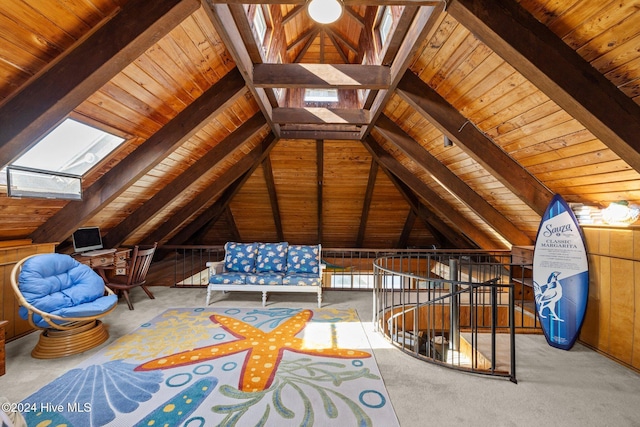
x,y
222,19
309,34
343,76
435,202
319,116
366,205
423,24
294,12
243,168
450,182
344,41
273,196
560,72
117,235
49,98
406,230
143,159
335,43
444,235
320,181
475,143
357,18
307,45
320,134
219,209
346,2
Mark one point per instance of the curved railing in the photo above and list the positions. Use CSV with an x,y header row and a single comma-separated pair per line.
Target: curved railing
x,y
455,309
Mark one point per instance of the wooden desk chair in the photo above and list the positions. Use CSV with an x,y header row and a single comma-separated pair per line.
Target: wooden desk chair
x,y
136,275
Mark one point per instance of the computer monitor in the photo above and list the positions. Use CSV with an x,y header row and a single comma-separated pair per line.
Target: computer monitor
x,y
87,239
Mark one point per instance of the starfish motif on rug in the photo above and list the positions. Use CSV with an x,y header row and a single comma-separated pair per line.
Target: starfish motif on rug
x,y
264,350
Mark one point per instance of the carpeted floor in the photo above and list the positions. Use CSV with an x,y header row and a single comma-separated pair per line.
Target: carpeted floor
x,y
555,387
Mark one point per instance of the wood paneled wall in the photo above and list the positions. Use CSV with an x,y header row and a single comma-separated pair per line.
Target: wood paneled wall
x,y
10,253
613,309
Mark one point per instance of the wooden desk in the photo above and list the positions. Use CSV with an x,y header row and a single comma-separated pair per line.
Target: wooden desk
x,y
3,323
117,259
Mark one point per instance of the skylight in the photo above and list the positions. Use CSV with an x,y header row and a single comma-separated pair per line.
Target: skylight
x,y
54,166
72,148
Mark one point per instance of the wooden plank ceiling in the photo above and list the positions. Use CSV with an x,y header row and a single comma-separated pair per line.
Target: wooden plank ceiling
x,y
537,96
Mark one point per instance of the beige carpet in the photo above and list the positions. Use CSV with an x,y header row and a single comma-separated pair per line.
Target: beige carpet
x,y
555,387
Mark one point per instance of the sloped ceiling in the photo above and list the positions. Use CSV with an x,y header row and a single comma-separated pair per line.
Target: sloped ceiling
x,y
538,97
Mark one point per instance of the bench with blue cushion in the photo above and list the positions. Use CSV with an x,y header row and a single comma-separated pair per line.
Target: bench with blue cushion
x,y
267,267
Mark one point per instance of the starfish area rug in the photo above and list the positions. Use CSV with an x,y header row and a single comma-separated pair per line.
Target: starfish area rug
x,y
225,367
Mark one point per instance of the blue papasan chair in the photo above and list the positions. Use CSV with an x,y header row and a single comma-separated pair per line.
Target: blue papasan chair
x,y
64,299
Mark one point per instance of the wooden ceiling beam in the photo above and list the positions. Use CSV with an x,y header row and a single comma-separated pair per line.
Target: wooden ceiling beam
x,y
118,234
267,170
326,127
79,73
309,76
335,43
406,230
353,15
219,209
435,203
320,116
399,32
366,205
320,181
557,70
451,182
473,142
307,45
243,25
309,34
216,99
223,21
344,41
441,232
294,12
242,169
421,27
231,223
319,134
345,2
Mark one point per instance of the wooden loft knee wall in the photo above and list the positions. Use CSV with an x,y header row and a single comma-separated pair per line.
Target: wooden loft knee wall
x,y
613,313
12,251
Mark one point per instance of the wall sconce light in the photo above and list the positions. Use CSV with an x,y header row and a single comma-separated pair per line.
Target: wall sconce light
x,y
447,142
325,11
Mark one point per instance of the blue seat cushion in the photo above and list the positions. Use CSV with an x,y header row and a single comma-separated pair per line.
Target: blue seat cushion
x,y
266,278
303,259
58,284
228,278
302,279
240,257
272,257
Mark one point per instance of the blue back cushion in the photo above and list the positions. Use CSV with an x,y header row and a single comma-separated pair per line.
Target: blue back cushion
x,y
240,257
53,282
272,257
303,259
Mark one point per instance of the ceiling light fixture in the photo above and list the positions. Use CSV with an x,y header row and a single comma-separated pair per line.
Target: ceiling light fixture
x,y
325,11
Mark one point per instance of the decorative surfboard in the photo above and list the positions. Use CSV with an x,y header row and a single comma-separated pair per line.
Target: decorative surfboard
x,y
560,275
